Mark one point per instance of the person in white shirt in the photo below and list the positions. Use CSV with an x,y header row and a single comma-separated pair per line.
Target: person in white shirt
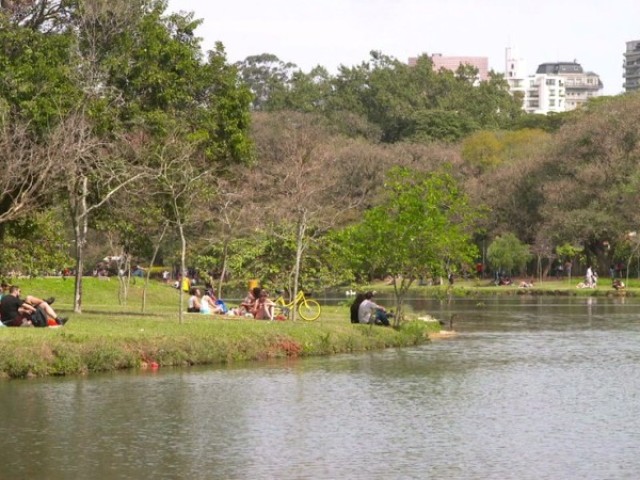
x,y
371,312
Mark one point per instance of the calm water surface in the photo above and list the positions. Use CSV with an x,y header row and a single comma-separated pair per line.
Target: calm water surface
x,y
531,388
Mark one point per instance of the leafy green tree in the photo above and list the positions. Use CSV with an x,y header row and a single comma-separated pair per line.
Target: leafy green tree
x,y
35,245
447,125
482,150
507,253
308,92
36,78
423,224
418,103
268,78
589,178
568,253
549,123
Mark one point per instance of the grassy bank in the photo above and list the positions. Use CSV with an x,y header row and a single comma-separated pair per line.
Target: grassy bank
x,y
482,287
108,336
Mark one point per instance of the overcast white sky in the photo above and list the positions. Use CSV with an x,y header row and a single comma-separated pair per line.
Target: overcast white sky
x,y
343,32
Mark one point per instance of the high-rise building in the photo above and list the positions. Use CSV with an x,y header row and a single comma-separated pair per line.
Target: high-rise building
x,y
540,93
555,87
631,66
580,86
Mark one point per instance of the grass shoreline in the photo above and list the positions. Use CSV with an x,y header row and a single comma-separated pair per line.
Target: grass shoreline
x,y
108,336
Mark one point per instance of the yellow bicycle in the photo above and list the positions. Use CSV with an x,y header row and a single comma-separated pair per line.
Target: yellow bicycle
x,y
307,308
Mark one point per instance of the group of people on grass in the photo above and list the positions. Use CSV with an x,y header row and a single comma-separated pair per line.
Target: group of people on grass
x,y
26,312
256,304
205,303
365,310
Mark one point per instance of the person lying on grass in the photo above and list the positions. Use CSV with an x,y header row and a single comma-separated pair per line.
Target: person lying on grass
x,y
31,311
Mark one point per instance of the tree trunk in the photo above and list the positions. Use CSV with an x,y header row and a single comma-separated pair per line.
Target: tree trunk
x,y
302,227
124,278
223,273
183,269
400,293
156,249
80,227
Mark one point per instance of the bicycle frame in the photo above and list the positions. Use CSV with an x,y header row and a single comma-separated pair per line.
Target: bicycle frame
x,y
311,307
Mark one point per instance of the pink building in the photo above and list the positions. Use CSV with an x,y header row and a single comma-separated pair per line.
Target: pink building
x,y
452,63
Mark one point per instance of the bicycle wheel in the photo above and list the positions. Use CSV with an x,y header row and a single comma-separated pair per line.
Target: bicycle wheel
x,y
309,310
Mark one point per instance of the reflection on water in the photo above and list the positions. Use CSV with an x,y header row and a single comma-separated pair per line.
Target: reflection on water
x,y
531,388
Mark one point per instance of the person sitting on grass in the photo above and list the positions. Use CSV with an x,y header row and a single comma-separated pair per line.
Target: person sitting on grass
x,y
248,305
618,284
194,301
355,306
371,312
31,311
208,304
264,307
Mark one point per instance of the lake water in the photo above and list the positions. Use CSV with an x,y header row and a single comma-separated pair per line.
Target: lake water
x,y
530,388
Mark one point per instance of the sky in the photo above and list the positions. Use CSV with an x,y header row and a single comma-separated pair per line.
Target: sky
x,y
343,32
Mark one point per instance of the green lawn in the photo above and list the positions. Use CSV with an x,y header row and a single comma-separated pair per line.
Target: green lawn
x,y
109,336
547,287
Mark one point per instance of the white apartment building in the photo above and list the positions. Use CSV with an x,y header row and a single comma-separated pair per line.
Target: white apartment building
x,y
555,87
540,93
545,94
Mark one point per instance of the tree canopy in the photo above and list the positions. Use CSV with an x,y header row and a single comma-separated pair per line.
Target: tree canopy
x,y
422,228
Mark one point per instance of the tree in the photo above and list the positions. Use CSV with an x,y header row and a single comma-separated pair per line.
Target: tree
x,y
299,183
268,79
94,170
589,178
506,253
182,184
423,225
26,175
37,14
418,103
35,244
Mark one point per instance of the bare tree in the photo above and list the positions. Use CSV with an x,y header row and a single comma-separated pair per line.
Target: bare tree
x,y
37,14
300,180
233,214
26,177
182,184
93,170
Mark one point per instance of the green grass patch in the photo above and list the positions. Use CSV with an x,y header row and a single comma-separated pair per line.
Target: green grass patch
x,y
109,336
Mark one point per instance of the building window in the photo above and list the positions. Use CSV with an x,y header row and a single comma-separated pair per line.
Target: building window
x,y
551,81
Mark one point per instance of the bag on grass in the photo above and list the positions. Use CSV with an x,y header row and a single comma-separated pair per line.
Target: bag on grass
x,y
39,318
222,305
